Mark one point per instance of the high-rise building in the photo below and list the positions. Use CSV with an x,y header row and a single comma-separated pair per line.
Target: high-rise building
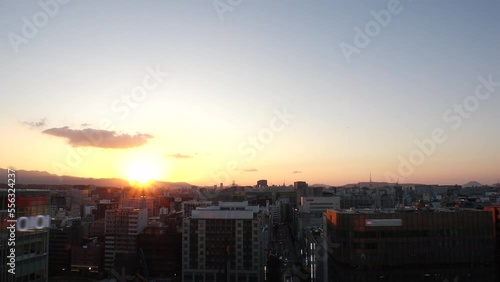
x,y
143,202
222,243
65,234
301,190
318,204
102,206
311,212
161,247
121,229
32,221
86,259
368,238
276,212
495,214
261,183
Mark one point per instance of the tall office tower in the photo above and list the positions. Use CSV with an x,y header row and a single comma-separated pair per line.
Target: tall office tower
x,y
121,229
32,220
222,243
301,190
65,234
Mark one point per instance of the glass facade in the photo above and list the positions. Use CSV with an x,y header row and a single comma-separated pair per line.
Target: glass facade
x,y
410,239
31,245
423,237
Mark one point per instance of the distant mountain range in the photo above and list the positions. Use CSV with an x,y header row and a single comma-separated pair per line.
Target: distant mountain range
x,y
44,178
469,184
379,184
27,177
472,184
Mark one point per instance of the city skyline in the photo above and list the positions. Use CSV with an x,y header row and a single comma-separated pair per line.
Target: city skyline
x,y
27,178
218,92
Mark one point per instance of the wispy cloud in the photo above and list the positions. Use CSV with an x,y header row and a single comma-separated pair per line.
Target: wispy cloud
x,y
35,124
85,124
296,171
89,137
249,169
178,156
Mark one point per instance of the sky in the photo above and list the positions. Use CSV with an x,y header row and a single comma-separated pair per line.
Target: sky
x,y
220,91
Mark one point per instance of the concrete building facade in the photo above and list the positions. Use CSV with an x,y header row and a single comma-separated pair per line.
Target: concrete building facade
x,y
121,229
388,238
222,243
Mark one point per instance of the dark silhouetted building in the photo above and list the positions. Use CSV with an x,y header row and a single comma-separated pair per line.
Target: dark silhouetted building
x,y
162,249
102,206
418,239
301,190
87,259
261,183
63,237
31,237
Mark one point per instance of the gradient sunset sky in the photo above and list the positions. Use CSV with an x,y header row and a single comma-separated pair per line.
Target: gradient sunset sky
x,y
269,70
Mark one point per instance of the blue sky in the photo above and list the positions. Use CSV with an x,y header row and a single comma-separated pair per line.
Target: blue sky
x,y
226,77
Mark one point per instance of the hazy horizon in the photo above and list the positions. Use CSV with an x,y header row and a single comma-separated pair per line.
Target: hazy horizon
x,y
326,92
61,181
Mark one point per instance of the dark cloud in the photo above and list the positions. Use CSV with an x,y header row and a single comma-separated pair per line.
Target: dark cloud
x,y
36,124
89,137
296,171
85,124
178,156
249,170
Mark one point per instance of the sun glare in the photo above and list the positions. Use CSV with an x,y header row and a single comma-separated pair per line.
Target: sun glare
x,y
141,170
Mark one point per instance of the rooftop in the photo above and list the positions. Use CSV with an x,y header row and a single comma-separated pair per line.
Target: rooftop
x,y
406,209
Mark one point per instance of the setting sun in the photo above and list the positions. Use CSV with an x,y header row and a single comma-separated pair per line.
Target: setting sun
x,y
142,169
